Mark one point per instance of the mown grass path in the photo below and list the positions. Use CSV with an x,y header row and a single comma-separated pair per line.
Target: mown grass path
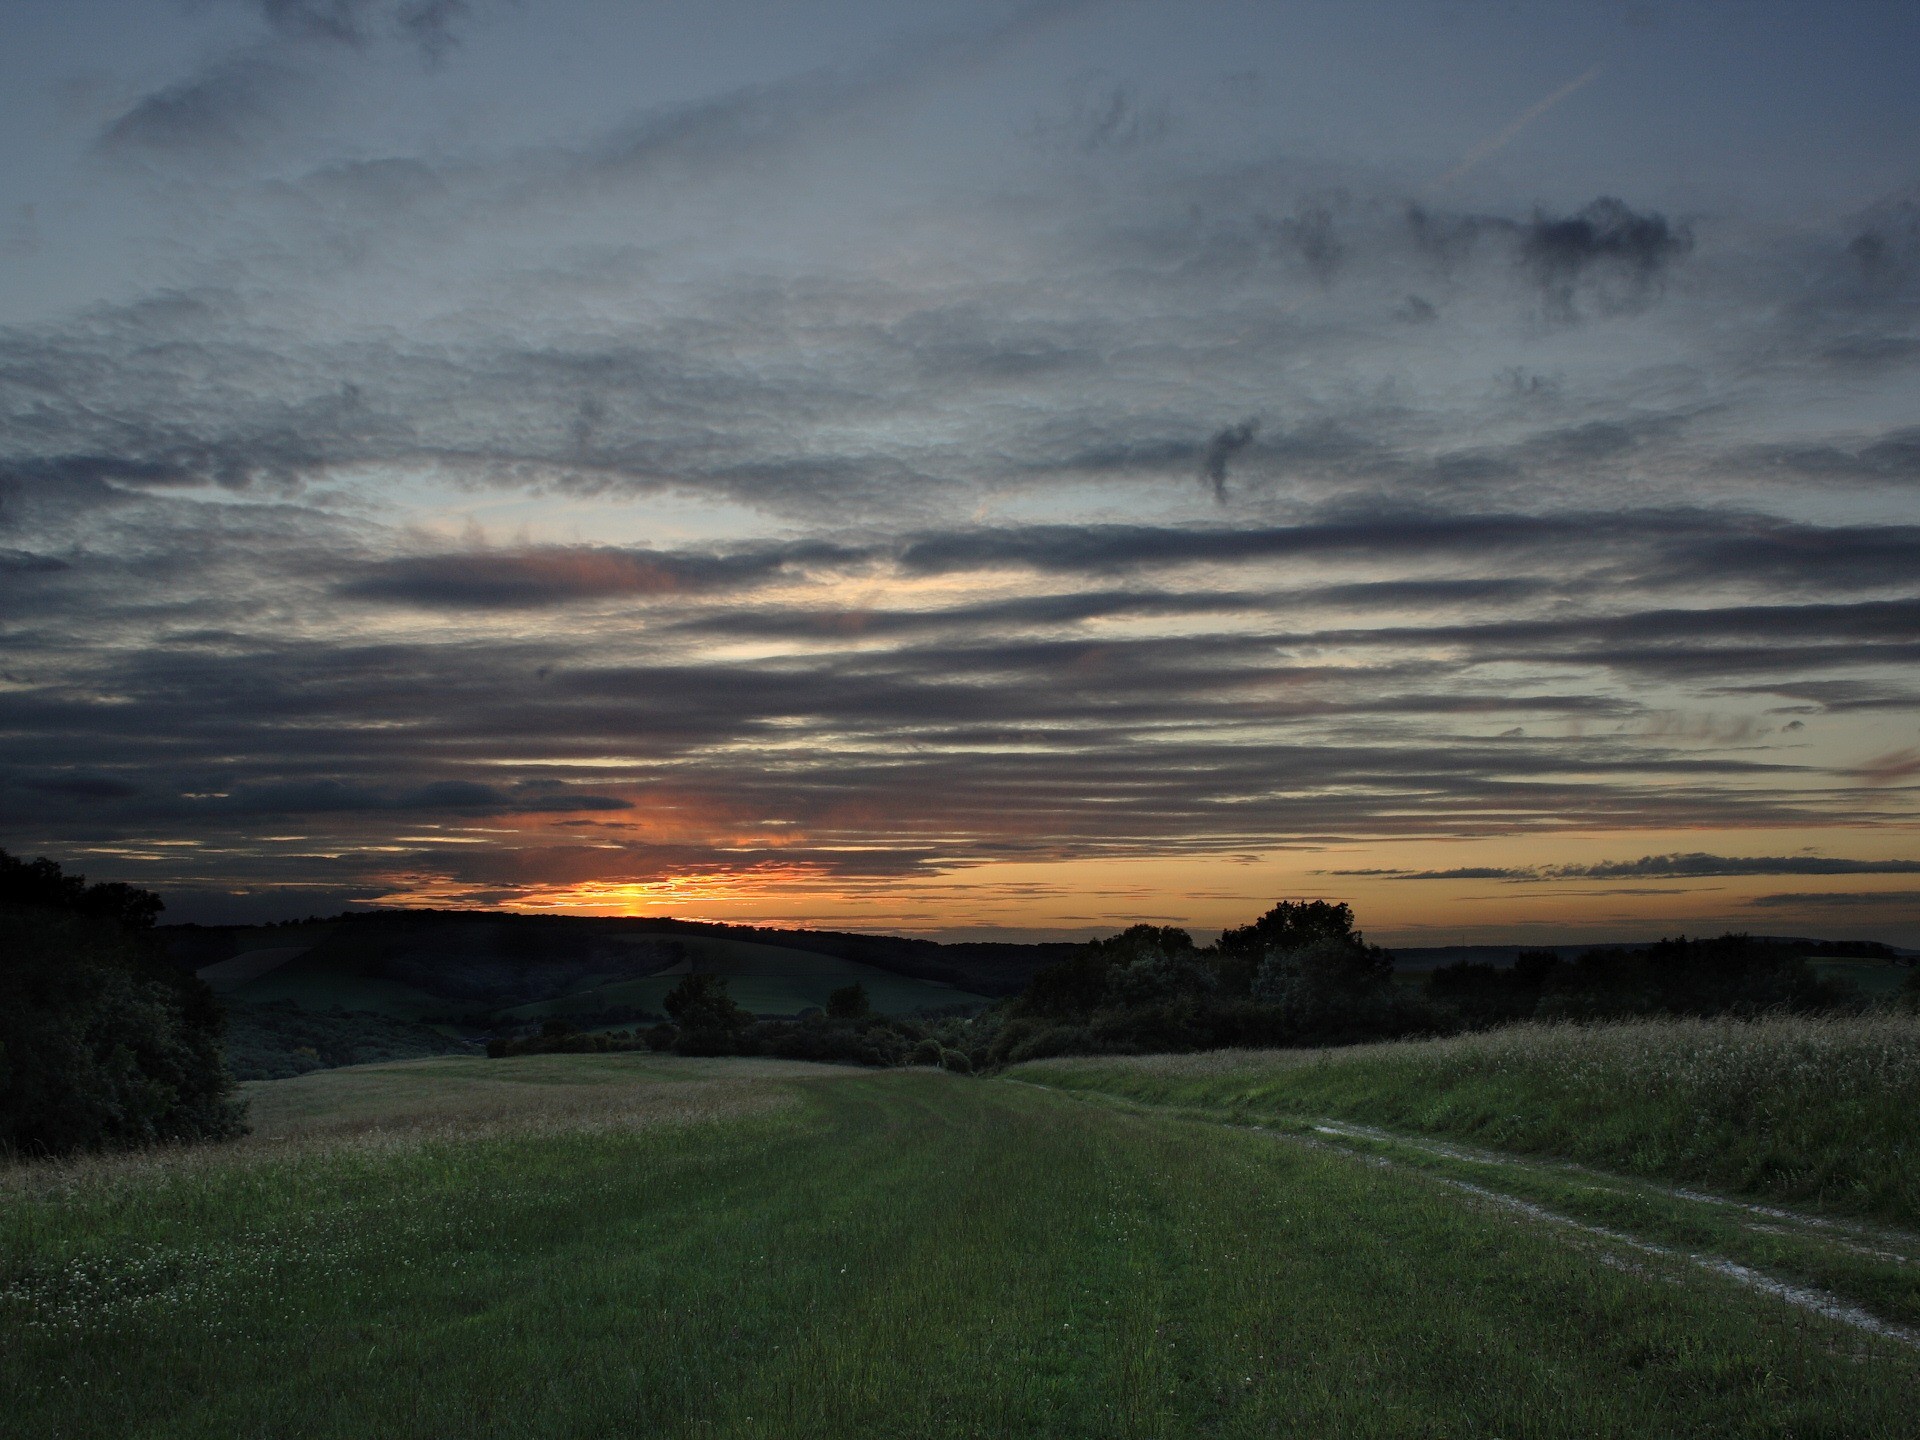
x,y
900,1254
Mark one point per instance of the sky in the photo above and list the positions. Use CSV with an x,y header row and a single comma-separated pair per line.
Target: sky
x,y
971,469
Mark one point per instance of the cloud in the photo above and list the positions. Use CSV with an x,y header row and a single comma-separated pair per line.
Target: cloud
x,y
85,787
963,601
557,575
430,25
761,119
1892,458
239,101
222,113
1607,250
1224,445
1903,901
324,796
1662,867
1103,115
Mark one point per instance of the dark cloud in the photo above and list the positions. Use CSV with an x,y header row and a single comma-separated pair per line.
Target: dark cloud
x,y
1607,251
685,140
1886,248
1892,458
431,25
1224,445
1312,235
1905,903
556,575
238,101
1106,548
1104,115
326,796
1662,867
85,787
25,562
221,113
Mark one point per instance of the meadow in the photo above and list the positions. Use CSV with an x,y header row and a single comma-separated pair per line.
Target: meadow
x,y
587,1245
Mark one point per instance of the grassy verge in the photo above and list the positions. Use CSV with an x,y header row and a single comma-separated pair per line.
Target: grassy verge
x,y
1809,1111
729,1249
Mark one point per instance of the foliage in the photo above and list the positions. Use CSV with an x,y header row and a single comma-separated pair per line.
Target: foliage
x,y
41,885
101,1043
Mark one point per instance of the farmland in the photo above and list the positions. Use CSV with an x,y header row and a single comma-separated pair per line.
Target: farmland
x,y
584,1245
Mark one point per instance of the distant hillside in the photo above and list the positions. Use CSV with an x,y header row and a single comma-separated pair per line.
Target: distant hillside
x,y
479,943
386,984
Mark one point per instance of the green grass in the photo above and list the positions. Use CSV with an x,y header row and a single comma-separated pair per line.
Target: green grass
x,y
1809,1111
599,1245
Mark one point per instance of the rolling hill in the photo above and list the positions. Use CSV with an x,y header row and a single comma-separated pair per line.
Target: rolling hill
x,y
398,984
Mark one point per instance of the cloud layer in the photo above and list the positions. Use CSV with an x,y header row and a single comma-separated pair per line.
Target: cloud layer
x,y
730,489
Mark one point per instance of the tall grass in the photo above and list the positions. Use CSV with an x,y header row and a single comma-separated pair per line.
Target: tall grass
x,y
1820,1111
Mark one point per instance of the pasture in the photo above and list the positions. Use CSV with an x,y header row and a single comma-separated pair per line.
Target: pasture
x,y
626,1244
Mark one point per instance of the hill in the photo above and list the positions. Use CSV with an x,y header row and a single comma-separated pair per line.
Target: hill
x,y
398,983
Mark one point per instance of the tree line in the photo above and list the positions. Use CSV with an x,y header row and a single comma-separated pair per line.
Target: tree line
x,y
1301,974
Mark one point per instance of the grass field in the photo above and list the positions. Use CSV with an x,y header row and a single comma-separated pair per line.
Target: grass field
x,y
597,1245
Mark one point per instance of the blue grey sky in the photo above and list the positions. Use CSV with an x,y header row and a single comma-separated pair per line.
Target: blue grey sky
x,y
967,467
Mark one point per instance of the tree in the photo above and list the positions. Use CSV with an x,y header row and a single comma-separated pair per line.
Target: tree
x,y
1289,925
101,1042
1332,984
849,1002
709,1020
